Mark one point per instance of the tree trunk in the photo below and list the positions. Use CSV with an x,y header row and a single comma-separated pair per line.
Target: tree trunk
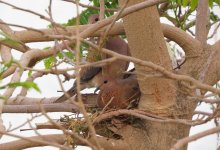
x,y
159,95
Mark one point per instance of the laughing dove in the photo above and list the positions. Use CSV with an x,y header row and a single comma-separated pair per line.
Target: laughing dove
x,y
93,76
117,93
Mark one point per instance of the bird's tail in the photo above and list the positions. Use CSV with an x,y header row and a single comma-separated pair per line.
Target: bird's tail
x,y
71,92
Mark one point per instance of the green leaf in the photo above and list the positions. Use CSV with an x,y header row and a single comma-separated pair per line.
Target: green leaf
x,y
83,20
96,3
193,4
46,48
84,46
185,3
211,3
179,2
71,22
2,97
60,55
69,55
49,62
29,73
214,17
3,87
8,64
27,84
217,2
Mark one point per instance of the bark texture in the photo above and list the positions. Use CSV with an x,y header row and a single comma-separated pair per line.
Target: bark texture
x,y
159,95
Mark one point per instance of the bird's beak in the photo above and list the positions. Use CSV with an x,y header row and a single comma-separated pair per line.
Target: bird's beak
x,y
98,88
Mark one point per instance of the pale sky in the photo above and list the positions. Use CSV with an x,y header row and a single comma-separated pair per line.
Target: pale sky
x,y
62,11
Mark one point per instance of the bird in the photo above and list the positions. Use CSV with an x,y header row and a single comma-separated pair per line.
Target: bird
x,y
117,93
92,76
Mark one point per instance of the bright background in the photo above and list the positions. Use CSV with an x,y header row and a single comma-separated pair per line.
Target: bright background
x,y
62,11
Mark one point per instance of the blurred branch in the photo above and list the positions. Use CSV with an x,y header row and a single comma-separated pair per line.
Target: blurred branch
x,y
90,6
202,22
35,141
194,137
37,108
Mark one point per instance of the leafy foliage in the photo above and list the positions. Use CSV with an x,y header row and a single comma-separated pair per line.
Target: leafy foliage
x,y
27,84
110,4
49,62
183,12
193,3
83,19
214,17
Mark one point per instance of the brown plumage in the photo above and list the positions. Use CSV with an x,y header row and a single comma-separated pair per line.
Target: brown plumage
x,y
119,93
92,76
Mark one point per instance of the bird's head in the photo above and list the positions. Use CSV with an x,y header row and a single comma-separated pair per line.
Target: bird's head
x,y
93,19
106,82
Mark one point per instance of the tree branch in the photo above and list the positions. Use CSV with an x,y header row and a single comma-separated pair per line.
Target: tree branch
x,y
202,22
194,137
106,143
65,107
212,75
22,104
187,42
33,142
7,30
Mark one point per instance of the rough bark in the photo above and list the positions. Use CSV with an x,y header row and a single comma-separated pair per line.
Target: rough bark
x,y
212,74
202,22
159,95
146,42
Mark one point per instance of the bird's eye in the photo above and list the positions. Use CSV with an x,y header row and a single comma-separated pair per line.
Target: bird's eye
x,y
106,81
96,19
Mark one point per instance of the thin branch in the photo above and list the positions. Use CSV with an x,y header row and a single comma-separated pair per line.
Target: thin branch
x,y
137,114
81,105
194,137
184,40
37,108
102,10
7,30
34,13
106,32
23,124
30,79
27,142
193,82
88,99
202,21
67,132
90,6
126,12
215,31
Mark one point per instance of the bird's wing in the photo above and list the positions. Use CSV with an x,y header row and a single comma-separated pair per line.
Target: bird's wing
x,y
127,75
89,73
70,93
86,75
